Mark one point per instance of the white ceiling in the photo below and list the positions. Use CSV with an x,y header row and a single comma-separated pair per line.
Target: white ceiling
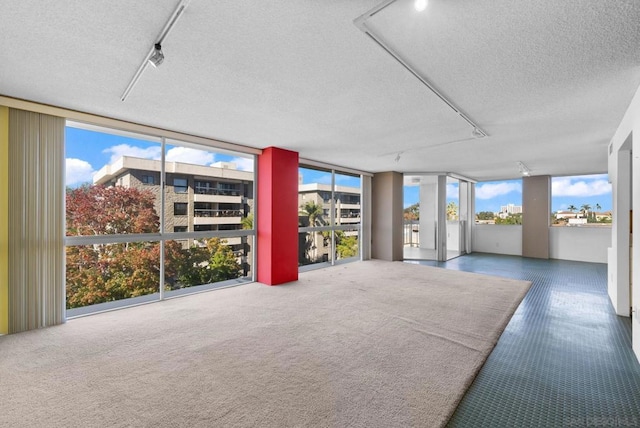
x,y
548,80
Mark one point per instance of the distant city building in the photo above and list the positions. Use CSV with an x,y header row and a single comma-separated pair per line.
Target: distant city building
x,y
507,210
511,209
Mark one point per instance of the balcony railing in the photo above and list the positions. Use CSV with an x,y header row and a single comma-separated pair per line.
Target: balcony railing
x,y
217,213
216,192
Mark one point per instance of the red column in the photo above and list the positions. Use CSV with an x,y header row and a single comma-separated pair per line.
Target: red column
x,y
277,216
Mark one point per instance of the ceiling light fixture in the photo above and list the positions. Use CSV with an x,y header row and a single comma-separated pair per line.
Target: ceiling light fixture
x,y
526,172
361,23
155,55
420,5
477,133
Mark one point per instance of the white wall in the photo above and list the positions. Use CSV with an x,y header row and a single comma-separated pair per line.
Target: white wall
x,y
497,239
583,244
621,174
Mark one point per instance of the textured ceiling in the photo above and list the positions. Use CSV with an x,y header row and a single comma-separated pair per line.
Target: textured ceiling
x,y
548,80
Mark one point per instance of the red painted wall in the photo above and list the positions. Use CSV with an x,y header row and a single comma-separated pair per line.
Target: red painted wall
x,y
277,216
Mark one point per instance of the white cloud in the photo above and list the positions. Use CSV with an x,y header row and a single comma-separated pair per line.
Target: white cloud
x,y
120,150
78,171
580,186
243,164
491,190
188,155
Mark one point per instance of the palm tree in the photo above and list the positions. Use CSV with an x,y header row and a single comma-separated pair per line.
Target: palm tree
x,y
585,209
598,207
572,208
313,211
247,222
452,211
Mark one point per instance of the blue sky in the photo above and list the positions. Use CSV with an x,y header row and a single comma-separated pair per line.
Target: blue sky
x,y
88,151
324,177
565,191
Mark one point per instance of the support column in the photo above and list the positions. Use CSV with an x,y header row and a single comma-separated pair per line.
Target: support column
x,y
386,216
277,232
4,220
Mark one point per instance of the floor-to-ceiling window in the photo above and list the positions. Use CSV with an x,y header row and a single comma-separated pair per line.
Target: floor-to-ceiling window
x,y
436,216
329,216
149,218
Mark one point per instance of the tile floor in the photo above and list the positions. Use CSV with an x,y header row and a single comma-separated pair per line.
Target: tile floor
x,y
564,360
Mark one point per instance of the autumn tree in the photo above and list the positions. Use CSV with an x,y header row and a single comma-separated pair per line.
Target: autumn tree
x,y
101,273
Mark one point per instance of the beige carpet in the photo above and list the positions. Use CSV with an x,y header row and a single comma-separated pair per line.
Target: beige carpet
x,y
370,344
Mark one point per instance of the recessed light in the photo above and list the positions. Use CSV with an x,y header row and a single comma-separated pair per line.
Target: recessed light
x,y
420,5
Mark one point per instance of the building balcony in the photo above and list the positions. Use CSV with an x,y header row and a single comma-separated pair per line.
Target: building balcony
x,y
221,199
206,216
348,220
216,220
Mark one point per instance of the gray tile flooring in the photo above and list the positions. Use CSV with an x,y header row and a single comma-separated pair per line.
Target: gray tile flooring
x,y
564,360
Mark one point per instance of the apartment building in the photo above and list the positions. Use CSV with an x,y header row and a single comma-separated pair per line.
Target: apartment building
x,y
197,197
347,202
316,246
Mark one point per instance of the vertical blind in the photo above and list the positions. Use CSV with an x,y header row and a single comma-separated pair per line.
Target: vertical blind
x,y
36,220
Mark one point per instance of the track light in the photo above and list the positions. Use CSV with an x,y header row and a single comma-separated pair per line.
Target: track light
x,y
526,172
157,56
477,133
419,5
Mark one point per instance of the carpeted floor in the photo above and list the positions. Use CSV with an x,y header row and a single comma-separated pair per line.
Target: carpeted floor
x,y
369,344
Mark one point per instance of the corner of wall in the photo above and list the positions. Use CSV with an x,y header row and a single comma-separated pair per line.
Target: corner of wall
x,y
4,220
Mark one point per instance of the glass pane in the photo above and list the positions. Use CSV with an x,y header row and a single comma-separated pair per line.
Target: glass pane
x,y
584,200
347,199
112,183
314,247
499,202
347,244
194,265
314,197
208,190
420,193
111,275
453,218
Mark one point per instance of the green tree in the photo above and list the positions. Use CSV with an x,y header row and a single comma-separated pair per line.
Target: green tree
x,y
211,261
585,209
313,211
510,219
485,215
572,208
347,247
247,222
412,212
452,211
